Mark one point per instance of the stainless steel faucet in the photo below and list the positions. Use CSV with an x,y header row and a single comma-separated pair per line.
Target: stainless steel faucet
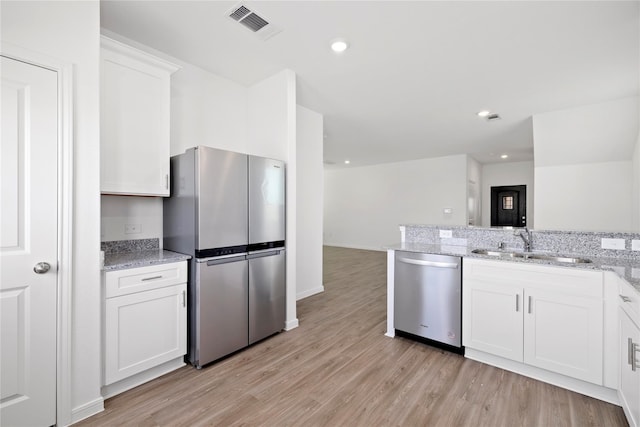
x,y
526,238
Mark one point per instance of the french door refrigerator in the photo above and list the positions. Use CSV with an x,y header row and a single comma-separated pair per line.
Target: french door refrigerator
x,y
227,210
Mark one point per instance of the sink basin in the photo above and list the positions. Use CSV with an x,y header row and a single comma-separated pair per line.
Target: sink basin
x,y
525,255
498,253
562,259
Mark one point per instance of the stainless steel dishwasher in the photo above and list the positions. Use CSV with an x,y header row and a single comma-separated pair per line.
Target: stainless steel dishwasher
x,y
428,297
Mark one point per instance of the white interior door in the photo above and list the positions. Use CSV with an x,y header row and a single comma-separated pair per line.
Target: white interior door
x,y
28,242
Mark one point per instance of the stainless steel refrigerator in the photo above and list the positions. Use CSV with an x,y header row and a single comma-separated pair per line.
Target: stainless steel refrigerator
x,y
227,210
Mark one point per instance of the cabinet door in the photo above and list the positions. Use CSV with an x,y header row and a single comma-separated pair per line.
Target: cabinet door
x,y
563,334
492,318
143,330
134,122
630,378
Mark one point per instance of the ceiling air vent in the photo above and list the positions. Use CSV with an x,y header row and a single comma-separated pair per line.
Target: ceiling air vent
x,y
250,19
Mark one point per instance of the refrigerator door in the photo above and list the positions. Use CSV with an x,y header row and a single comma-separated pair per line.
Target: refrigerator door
x,y
266,200
179,211
221,199
222,318
266,294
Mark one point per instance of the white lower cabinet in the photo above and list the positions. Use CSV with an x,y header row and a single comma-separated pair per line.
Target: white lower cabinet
x,y
492,318
563,334
546,317
144,328
629,389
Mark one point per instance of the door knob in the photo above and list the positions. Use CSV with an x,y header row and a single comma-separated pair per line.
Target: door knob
x,y
41,267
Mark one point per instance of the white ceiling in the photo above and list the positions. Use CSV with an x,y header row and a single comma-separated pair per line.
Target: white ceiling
x,y
417,72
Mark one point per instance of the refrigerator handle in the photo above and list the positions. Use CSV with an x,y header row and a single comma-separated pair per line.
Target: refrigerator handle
x,y
226,260
264,254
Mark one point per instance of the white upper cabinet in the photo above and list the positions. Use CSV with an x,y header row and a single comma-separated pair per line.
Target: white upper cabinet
x,y
134,121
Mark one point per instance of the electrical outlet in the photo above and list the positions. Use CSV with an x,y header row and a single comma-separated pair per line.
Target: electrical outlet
x,y
446,234
132,228
613,244
635,245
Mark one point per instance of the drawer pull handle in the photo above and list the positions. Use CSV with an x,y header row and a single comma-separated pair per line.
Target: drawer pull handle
x,y
184,298
517,302
625,298
530,305
632,348
151,278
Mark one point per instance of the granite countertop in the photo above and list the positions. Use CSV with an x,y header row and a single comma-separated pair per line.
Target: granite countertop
x,y
122,260
628,269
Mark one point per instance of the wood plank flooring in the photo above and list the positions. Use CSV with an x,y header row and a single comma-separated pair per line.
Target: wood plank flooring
x,y
338,369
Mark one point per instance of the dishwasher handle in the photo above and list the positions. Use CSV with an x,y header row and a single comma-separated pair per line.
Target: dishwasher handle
x,y
424,263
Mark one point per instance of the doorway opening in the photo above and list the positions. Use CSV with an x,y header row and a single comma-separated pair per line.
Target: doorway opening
x,y
509,206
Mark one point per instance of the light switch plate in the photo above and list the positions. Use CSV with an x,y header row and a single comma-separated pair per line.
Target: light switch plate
x,y
635,245
613,244
446,234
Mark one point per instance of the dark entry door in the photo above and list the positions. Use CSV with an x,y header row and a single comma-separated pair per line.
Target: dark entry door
x,y
509,206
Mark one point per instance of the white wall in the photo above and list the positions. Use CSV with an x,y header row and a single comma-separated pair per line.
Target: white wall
x,y
597,142
119,211
206,110
365,205
603,132
474,192
508,173
269,116
309,144
69,32
589,197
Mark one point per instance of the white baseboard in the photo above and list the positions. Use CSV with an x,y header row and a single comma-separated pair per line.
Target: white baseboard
x,y
88,409
310,292
579,386
291,324
141,378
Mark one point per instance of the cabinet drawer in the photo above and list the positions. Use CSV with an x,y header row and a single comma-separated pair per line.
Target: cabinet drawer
x,y
567,280
132,280
629,301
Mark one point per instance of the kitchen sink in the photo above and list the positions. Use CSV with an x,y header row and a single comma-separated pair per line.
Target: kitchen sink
x,y
526,255
500,254
559,258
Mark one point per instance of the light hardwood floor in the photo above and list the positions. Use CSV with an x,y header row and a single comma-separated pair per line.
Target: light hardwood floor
x,y
338,369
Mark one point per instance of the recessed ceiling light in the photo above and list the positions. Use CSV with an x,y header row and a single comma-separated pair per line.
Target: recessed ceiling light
x,y
346,162
504,156
484,113
339,46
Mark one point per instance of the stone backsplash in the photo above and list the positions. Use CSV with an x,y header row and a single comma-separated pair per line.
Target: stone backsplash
x,y
564,242
123,246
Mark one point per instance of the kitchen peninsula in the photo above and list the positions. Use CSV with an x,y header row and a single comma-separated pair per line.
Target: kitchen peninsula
x,y
565,312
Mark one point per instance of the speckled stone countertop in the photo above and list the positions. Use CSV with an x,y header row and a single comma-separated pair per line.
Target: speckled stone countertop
x,y
121,254
628,269
120,261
